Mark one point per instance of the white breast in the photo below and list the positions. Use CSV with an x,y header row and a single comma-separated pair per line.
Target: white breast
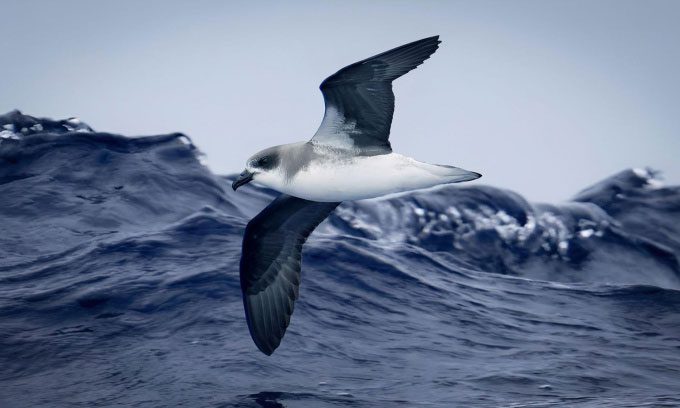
x,y
360,177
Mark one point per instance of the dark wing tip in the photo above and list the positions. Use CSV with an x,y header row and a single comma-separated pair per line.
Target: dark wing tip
x,y
264,339
265,346
388,65
270,265
268,352
434,40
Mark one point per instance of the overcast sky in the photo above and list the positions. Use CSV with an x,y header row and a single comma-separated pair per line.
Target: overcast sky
x,y
542,97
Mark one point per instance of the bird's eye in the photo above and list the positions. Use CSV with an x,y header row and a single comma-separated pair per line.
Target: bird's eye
x,y
263,161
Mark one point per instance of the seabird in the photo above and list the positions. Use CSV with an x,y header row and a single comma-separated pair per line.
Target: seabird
x,y
349,158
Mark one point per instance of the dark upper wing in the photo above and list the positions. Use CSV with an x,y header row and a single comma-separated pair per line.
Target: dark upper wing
x,y
360,102
270,265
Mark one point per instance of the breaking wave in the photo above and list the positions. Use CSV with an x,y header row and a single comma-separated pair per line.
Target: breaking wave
x,y
119,285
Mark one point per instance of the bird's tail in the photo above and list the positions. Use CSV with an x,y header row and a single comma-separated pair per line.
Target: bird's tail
x,y
455,174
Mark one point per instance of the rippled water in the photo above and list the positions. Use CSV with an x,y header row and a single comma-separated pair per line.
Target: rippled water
x,y
119,286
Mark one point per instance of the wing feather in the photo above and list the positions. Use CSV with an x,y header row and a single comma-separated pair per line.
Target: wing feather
x,y
270,265
360,102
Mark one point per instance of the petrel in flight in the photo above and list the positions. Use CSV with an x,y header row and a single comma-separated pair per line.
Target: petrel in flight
x,y
348,158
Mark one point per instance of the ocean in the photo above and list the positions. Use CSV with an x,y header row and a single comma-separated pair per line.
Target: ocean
x,y
119,286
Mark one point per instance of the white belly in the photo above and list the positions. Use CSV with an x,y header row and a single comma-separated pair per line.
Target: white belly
x,y
364,177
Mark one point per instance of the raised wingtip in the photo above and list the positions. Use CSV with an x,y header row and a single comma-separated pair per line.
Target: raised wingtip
x,y
433,38
393,63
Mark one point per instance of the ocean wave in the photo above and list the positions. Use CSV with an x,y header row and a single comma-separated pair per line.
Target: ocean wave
x,y
119,285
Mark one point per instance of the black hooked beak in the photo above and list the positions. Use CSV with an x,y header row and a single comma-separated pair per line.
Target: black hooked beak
x,y
243,178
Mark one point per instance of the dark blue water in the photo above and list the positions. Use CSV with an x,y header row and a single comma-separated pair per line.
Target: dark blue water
x,y
119,287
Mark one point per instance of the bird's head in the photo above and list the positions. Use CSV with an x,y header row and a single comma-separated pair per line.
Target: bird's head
x,y
260,166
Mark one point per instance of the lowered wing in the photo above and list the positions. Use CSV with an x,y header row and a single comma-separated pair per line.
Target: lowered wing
x,y
270,265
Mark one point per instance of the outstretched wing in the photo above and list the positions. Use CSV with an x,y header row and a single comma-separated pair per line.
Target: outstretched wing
x,y
360,102
270,265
